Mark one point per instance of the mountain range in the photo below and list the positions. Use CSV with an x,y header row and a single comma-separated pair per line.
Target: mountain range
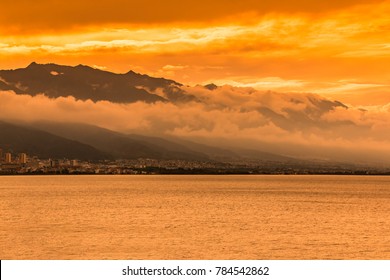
x,y
159,118
87,142
75,140
84,82
20,139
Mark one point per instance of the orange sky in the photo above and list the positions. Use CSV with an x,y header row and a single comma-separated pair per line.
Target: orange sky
x,y
340,49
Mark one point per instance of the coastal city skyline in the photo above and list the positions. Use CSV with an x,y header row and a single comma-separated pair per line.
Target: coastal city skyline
x,y
23,164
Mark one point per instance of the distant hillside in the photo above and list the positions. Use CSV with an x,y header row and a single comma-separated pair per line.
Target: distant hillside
x,y
119,145
233,124
139,146
83,82
19,139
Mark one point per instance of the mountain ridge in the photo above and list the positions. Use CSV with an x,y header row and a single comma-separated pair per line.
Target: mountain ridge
x,y
212,115
109,144
22,139
119,145
85,82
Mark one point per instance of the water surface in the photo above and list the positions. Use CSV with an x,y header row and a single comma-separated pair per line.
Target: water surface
x,y
194,217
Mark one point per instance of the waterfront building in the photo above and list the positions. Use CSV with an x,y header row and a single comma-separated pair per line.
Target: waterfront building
x,y
8,158
22,158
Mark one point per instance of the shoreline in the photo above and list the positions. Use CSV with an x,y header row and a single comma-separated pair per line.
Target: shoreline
x,y
198,174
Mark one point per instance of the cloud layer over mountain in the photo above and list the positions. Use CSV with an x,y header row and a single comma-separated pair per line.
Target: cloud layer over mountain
x,y
293,124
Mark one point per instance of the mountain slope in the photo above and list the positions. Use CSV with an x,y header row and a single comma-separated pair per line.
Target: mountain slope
x,y
231,153
83,82
139,146
20,139
120,145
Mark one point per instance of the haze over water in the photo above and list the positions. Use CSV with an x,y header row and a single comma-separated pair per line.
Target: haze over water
x,y
194,217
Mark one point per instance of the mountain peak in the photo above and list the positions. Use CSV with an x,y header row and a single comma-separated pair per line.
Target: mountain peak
x,y
211,86
85,66
32,64
131,72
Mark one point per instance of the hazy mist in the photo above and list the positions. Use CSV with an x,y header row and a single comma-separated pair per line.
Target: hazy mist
x,y
301,125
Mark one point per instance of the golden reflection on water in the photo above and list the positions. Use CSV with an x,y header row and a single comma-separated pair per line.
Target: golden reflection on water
x,y
194,217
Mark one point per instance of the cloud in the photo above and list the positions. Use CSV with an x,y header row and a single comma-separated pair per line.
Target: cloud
x,y
374,50
171,71
278,122
99,67
51,15
340,34
267,83
296,48
174,67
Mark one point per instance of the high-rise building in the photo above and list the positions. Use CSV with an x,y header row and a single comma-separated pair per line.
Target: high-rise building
x,y
22,158
8,158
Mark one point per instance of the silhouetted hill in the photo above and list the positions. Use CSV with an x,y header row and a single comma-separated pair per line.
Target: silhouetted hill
x,y
5,86
119,145
263,156
84,82
20,139
232,153
175,142
139,146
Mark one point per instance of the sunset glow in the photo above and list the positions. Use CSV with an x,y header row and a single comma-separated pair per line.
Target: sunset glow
x,y
244,131
338,48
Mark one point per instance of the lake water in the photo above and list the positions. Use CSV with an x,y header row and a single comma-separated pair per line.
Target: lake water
x,y
194,217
